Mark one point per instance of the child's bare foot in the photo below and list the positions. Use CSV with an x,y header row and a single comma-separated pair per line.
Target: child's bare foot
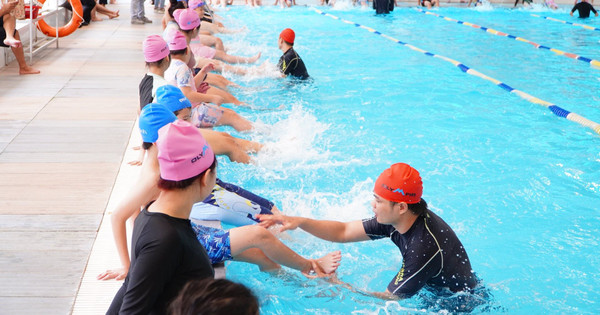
x,y
28,70
254,59
12,42
116,15
330,262
96,19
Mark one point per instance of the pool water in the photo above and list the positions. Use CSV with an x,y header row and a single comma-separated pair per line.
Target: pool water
x,y
519,185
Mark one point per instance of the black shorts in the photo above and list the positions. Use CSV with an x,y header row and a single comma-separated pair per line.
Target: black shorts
x,y
3,32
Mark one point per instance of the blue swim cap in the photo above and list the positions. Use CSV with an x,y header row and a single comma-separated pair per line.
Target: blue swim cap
x,y
172,97
152,118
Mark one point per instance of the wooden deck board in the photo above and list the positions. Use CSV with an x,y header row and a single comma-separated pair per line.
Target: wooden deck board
x,y
62,138
39,222
25,305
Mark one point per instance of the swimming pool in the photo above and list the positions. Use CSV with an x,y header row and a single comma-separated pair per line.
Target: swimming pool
x,y
519,185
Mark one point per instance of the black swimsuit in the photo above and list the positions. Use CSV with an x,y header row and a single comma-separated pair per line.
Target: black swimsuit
x,y
431,255
291,64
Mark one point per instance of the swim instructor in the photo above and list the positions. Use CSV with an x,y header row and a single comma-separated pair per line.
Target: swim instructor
x,y
432,254
290,63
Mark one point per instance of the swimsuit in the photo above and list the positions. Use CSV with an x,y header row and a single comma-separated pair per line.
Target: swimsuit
x,y
206,115
231,204
215,241
431,255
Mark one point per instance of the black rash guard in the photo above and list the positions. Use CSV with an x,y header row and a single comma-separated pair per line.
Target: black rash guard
x,y
291,64
165,255
584,9
431,255
146,86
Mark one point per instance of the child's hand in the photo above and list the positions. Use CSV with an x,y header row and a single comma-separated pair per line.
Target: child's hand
x,y
209,67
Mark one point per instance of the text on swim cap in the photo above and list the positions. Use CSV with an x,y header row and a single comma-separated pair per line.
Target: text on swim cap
x,y
201,155
398,190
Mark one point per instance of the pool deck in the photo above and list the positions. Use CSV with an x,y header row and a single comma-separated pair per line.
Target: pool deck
x,y
63,137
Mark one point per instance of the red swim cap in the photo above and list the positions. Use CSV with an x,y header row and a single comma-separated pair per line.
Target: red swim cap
x,y
400,183
288,35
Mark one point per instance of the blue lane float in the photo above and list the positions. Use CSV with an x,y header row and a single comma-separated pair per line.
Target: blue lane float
x,y
556,110
591,28
517,38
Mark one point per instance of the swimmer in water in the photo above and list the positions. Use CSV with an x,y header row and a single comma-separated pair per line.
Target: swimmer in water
x,y
428,3
477,3
550,4
584,9
432,254
290,63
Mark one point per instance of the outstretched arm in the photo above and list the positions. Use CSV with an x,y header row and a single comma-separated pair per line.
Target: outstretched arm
x,y
141,194
386,295
199,78
334,231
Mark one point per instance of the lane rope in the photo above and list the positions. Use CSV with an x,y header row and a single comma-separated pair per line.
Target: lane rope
x,y
517,38
556,110
567,22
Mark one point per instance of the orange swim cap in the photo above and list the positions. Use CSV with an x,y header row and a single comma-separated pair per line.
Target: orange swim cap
x,y
400,183
288,35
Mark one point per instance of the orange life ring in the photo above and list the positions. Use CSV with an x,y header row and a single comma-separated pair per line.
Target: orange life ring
x,y
67,29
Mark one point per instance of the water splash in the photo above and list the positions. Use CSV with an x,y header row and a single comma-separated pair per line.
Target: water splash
x,y
292,141
485,6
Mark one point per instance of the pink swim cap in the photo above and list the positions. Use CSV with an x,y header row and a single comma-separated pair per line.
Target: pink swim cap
x,y
176,40
155,48
182,151
192,4
187,19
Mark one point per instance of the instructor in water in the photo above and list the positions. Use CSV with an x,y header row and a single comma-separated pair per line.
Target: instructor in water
x,y
432,254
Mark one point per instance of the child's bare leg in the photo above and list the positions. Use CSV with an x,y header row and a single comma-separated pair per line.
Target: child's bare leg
x,y
9,25
219,81
247,145
212,41
233,119
221,67
225,144
257,257
93,15
227,97
221,55
14,41
252,236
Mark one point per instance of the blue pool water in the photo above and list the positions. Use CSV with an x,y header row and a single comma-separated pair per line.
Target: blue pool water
x,y
519,185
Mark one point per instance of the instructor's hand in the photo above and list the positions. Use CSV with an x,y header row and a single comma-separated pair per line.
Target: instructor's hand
x,y
288,223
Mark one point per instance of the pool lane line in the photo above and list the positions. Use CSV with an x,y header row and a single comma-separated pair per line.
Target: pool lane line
x,y
567,22
556,110
521,39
